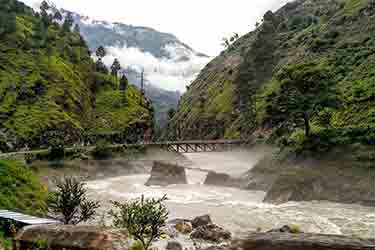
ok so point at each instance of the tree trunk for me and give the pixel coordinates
(307, 124)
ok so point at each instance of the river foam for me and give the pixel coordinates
(240, 211)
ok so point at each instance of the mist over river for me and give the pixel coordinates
(239, 211)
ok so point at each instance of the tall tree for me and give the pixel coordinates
(305, 90)
(7, 23)
(46, 17)
(57, 16)
(100, 67)
(77, 29)
(68, 23)
(123, 87)
(116, 66)
(100, 52)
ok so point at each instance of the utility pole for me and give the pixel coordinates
(142, 83)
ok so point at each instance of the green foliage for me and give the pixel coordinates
(353, 6)
(21, 190)
(70, 203)
(305, 90)
(49, 84)
(115, 67)
(137, 246)
(100, 52)
(325, 35)
(56, 151)
(143, 218)
(102, 151)
(123, 87)
(5, 244)
(40, 245)
(68, 23)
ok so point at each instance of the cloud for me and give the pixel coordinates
(173, 73)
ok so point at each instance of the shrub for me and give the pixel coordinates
(56, 151)
(70, 203)
(137, 246)
(5, 244)
(143, 218)
(102, 151)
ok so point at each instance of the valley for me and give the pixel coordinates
(127, 136)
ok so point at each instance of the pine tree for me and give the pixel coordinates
(116, 66)
(123, 87)
(77, 29)
(100, 67)
(57, 16)
(46, 18)
(68, 23)
(100, 52)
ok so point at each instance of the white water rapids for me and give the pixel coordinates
(239, 211)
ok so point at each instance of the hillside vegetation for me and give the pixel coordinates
(51, 88)
(305, 76)
(21, 190)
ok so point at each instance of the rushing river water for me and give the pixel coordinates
(239, 211)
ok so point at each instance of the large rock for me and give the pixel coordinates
(174, 245)
(219, 179)
(201, 221)
(164, 174)
(212, 233)
(286, 241)
(73, 237)
(184, 227)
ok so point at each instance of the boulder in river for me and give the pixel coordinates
(73, 237)
(174, 245)
(184, 227)
(286, 241)
(212, 233)
(164, 174)
(201, 221)
(220, 179)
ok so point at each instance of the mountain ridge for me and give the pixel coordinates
(247, 76)
(51, 89)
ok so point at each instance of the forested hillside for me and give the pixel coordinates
(306, 72)
(51, 89)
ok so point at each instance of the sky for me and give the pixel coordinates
(199, 23)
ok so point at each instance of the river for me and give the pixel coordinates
(239, 211)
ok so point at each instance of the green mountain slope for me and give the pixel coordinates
(239, 92)
(49, 87)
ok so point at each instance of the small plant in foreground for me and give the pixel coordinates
(143, 218)
(70, 202)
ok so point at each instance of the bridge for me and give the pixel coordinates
(196, 146)
(199, 146)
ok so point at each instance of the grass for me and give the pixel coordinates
(21, 190)
(353, 6)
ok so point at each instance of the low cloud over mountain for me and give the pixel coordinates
(173, 72)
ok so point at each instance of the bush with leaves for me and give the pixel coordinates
(70, 203)
(143, 218)
(56, 151)
(102, 151)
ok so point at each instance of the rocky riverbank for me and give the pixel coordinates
(343, 175)
(201, 233)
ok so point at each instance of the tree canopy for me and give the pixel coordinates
(305, 89)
